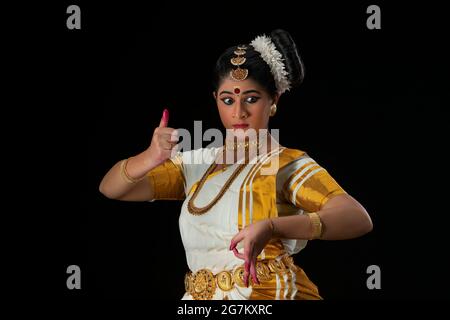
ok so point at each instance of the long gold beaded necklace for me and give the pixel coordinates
(192, 208)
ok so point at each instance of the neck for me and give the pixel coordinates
(248, 136)
(247, 147)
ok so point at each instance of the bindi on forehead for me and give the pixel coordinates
(237, 90)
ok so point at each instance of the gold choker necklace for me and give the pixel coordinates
(243, 145)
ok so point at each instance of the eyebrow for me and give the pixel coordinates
(245, 92)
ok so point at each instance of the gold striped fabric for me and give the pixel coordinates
(291, 286)
(308, 185)
(167, 180)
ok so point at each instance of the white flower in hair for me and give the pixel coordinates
(269, 53)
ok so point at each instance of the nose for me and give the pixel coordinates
(239, 111)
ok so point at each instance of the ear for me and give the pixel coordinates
(214, 95)
(276, 97)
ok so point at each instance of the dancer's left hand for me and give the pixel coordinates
(255, 237)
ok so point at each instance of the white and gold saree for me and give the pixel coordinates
(297, 185)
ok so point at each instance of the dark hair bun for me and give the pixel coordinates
(292, 61)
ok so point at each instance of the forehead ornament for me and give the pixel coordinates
(239, 74)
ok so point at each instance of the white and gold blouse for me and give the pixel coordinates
(296, 184)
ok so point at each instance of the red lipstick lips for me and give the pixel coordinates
(240, 126)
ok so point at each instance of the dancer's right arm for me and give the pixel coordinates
(113, 184)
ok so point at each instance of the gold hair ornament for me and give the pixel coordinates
(239, 74)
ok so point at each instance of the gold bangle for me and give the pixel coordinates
(124, 173)
(316, 225)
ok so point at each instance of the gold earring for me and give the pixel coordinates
(273, 110)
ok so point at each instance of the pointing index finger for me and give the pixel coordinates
(165, 119)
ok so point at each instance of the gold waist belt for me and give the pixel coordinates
(202, 284)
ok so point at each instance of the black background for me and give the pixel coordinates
(371, 111)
